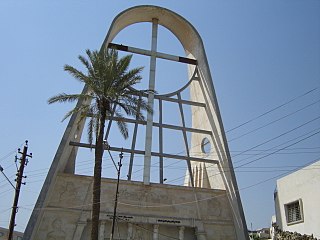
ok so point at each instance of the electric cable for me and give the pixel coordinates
(254, 146)
(269, 154)
(274, 121)
(228, 170)
(273, 109)
(247, 133)
(182, 203)
(10, 153)
(141, 165)
(279, 145)
(278, 136)
(278, 150)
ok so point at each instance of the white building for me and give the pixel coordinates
(297, 201)
(272, 229)
(263, 233)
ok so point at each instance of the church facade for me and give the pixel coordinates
(206, 207)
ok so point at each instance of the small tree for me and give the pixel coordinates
(110, 92)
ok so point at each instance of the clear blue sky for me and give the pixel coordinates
(261, 54)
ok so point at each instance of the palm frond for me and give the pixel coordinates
(76, 109)
(63, 97)
(77, 74)
(122, 125)
(129, 79)
(85, 62)
(123, 64)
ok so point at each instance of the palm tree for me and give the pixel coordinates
(110, 93)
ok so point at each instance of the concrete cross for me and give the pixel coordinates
(153, 56)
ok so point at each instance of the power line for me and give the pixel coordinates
(181, 203)
(278, 136)
(167, 166)
(1, 169)
(254, 146)
(236, 170)
(240, 170)
(2, 193)
(275, 151)
(242, 154)
(276, 148)
(108, 166)
(10, 153)
(252, 152)
(308, 92)
(177, 161)
(272, 153)
(305, 138)
(274, 121)
(247, 133)
(273, 109)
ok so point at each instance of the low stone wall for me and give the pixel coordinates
(154, 211)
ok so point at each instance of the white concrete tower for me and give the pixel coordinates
(207, 207)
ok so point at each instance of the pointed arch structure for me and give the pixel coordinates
(201, 181)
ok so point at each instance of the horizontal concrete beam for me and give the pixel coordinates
(187, 102)
(167, 126)
(148, 53)
(154, 154)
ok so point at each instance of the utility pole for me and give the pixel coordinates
(23, 162)
(116, 199)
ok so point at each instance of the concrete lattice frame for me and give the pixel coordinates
(64, 160)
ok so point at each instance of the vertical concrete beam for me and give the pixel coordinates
(160, 143)
(185, 140)
(155, 232)
(79, 230)
(130, 231)
(152, 77)
(133, 144)
(181, 233)
(102, 230)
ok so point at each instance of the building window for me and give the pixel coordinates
(205, 146)
(294, 212)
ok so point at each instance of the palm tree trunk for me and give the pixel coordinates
(97, 177)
